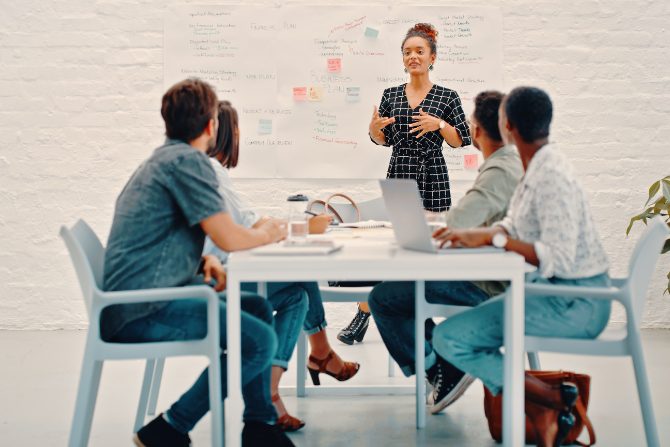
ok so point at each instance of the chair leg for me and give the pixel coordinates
(301, 365)
(391, 366)
(420, 353)
(643, 390)
(534, 361)
(87, 394)
(215, 400)
(144, 394)
(155, 386)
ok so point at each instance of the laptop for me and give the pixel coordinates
(405, 210)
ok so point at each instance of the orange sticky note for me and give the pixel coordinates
(300, 94)
(334, 65)
(470, 161)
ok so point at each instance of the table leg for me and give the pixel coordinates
(514, 418)
(234, 403)
(419, 353)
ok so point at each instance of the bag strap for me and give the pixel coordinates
(581, 411)
(344, 196)
(326, 209)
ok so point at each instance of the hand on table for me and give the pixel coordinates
(474, 237)
(276, 229)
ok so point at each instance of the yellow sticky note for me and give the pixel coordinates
(315, 93)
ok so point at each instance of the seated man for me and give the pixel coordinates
(549, 223)
(160, 221)
(392, 303)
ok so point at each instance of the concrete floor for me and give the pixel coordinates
(39, 373)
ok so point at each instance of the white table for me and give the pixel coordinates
(381, 260)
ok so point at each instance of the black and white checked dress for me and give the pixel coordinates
(422, 158)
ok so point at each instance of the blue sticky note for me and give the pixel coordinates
(371, 32)
(353, 94)
(264, 127)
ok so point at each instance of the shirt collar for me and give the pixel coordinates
(502, 152)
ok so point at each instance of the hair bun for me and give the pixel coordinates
(427, 29)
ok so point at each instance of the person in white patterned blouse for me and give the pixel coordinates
(549, 223)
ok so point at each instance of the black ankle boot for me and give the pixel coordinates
(356, 329)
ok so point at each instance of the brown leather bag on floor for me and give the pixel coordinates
(493, 408)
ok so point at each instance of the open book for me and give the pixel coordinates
(366, 224)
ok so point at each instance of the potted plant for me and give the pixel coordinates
(656, 206)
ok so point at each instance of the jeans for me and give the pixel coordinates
(472, 340)
(289, 301)
(392, 307)
(187, 320)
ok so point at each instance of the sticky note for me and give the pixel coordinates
(315, 93)
(300, 94)
(264, 127)
(371, 32)
(353, 94)
(470, 161)
(334, 65)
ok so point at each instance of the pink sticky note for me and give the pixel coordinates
(470, 161)
(300, 94)
(334, 65)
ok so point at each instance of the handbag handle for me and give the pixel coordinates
(581, 411)
(329, 209)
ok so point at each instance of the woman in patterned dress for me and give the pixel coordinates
(416, 117)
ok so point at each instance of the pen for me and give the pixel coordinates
(312, 213)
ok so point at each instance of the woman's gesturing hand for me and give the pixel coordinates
(378, 123)
(424, 123)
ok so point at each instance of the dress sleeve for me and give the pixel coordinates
(385, 111)
(456, 119)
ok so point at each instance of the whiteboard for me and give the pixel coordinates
(305, 79)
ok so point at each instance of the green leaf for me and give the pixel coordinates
(653, 190)
(666, 189)
(660, 205)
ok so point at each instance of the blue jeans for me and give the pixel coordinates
(187, 320)
(392, 307)
(471, 340)
(289, 301)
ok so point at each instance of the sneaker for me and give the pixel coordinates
(356, 329)
(158, 433)
(259, 434)
(449, 384)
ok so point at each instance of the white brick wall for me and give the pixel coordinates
(80, 88)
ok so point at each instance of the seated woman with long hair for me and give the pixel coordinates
(292, 314)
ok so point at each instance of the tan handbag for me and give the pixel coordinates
(319, 223)
(493, 408)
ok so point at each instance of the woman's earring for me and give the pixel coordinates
(430, 67)
(405, 69)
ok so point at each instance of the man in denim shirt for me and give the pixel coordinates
(160, 221)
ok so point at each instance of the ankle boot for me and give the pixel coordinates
(356, 329)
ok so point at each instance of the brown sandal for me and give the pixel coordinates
(288, 422)
(349, 369)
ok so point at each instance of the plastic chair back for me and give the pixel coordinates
(642, 263)
(88, 257)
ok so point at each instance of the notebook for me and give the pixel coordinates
(366, 224)
(293, 248)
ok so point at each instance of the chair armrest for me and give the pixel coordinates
(152, 295)
(607, 293)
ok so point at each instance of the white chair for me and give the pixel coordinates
(87, 255)
(631, 292)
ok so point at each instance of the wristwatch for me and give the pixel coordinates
(443, 124)
(499, 240)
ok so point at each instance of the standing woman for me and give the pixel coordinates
(416, 117)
